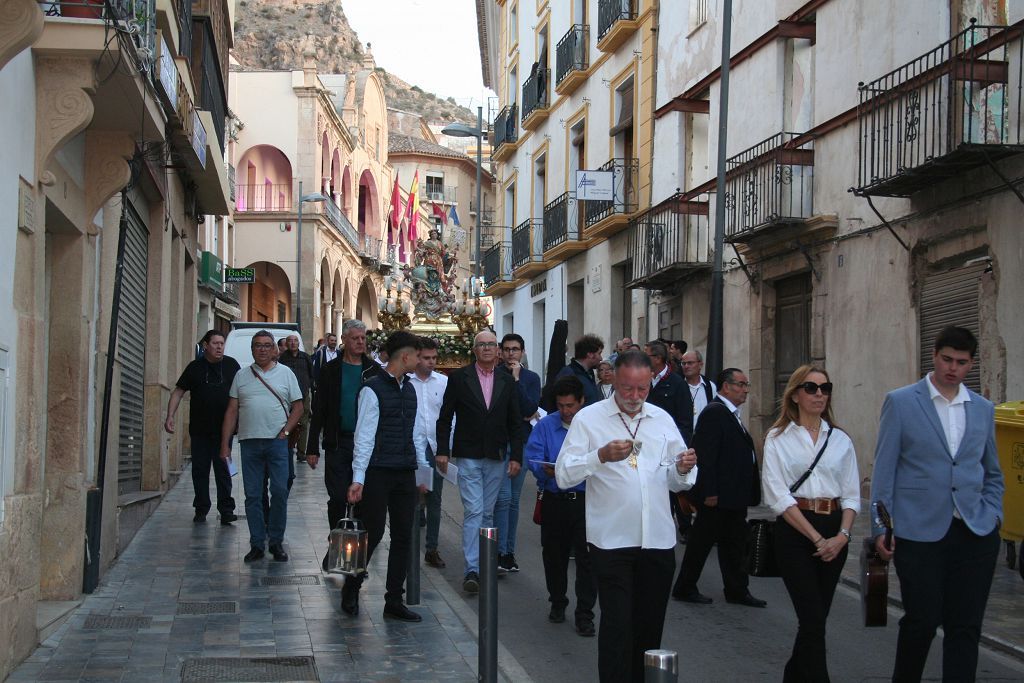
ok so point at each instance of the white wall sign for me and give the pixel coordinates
(595, 185)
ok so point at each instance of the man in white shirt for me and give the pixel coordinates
(430, 386)
(631, 455)
(937, 473)
(324, 355)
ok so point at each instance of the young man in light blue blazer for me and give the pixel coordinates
(937, 473)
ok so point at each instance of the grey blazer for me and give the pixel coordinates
(919, 480)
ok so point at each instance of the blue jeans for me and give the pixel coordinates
(259, 455)
(506, 510)
(433, 507)
(479, 481)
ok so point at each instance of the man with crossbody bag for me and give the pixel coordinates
(266, 404)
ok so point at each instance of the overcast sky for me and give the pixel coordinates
(429, 43)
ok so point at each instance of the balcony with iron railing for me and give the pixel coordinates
(952, 109)
(231, 182)
(497, 269)
(337, 218)
(504, 133)
(266, 198)
(138, 16)
(769, 188)
(528, 248)
(572, 59)
(563, 229)
(370, 249)
(604, 218)
(439, 193)
(670, 242)
(536, 97)
(616, 21)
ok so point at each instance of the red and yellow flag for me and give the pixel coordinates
(412, 212)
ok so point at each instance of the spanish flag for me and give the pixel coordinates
(412, 212)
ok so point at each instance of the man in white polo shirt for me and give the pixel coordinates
(631, 455)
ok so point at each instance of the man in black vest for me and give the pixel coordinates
(727, 483)
(388, 449)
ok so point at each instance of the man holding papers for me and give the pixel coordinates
(563, 523)
(430, 386)
(388, 449)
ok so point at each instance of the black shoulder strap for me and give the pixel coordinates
(803, 477)
(284, 406)
(707, 389)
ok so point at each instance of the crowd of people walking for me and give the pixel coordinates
(632, 454)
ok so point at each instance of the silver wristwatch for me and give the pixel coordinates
(846, 532)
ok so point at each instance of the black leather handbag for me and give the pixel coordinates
(761, 538)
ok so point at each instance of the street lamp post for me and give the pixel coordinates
(315, 197)
(461, 130)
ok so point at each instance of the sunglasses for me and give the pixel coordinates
(812, 388)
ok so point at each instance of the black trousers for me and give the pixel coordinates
(389, 495)
(943, 583)
(206, 453)
(563, 529)
(811, 584)
(729, 529)
(633, 586)
(338, 477)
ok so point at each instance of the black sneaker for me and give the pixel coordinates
(471, 584)
(512, 565)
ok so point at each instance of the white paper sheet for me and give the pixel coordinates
(232, 467)
(452, 476)
(425, 476)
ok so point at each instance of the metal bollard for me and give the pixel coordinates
(661, 666)
(412, 579)
(487, 645)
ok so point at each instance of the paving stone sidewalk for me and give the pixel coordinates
(181, 605)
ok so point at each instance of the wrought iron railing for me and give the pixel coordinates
(184, 12)
(772, 182)
(497, 264)
(440, 193)
(371, 248)
(624, 187)
(611, 11)
(231, 181)
(138, 15)
(965, 94)
(341, 223)
(212, 89)
(572, 52)
(561, 221)
(676, 232)
(264, 198)
(526, 242)
(536, 91)
(505, 128)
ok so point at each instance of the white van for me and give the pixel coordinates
(239, 342)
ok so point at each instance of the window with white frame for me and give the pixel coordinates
(435, 187)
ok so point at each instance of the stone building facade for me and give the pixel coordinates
(114, 131)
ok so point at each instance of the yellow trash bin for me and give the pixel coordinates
(1010, 446)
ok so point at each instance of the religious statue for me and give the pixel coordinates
(432, 276)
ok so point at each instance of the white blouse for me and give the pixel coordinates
(788, 454)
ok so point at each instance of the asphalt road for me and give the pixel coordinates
(718, 642)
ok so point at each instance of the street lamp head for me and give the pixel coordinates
(315, 197)
(461, 130)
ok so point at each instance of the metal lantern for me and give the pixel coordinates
(349, 547)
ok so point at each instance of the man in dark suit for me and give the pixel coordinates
(485, 406)
(668, 390)
(937, 473)
(727, 483)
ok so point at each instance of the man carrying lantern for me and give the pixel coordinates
(388, 447)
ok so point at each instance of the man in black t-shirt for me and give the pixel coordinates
(208, 379)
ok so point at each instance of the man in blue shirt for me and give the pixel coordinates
(563, 526)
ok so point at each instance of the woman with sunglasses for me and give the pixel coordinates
(815, 512)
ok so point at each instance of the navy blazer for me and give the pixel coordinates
(919, 480)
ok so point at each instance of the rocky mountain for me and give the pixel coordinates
(271, 34)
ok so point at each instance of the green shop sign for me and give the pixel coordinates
(241, 275)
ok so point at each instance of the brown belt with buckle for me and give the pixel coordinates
(821, 506)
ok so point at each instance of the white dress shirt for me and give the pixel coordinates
(657, 378)
(365, 436)
(429, 394)
(735, 410)
(625, 507)
(330, 354)
(788, 454)
(700, 399)
(952, 414)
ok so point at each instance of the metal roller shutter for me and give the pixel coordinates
(950, 297)
(131, 352)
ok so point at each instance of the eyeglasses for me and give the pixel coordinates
(741, 385)
(265, 347)
(511, 349)
(812, 388)
(486, 345)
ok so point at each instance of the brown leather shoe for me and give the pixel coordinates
(433, 559)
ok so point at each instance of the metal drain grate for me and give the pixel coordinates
(98, 621)
(207, 607)
(256, 669)
(290, 580)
